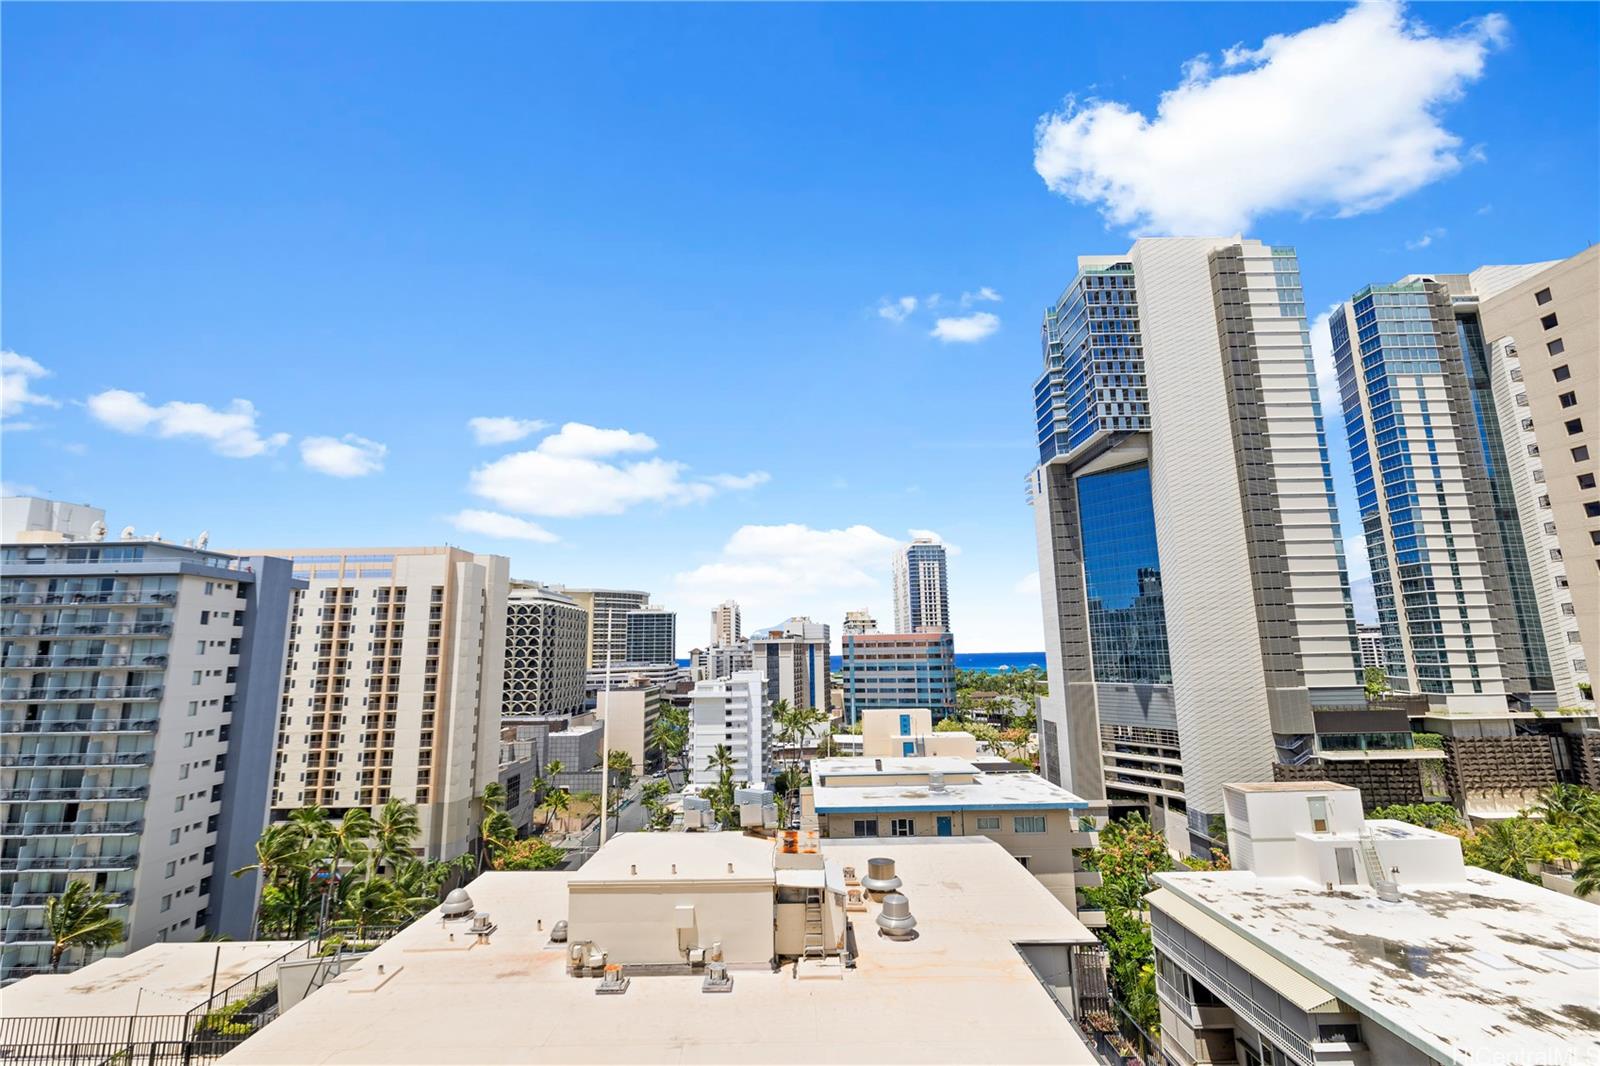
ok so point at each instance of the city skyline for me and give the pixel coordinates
(475, 237)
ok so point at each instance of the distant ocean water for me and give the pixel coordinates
(992, 662)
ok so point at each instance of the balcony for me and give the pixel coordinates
(85, 758)
(88, 629)
(69, 862)
(68, 662)
(76, 695)
(75, 829)
(72, 599)
(73, 795)
(39, 899)
(75, 725)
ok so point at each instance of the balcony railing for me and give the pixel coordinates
(82, 725)
(68, 662)
(88, 629)
(69, 862)
(85, 758)
(69, 599)
(39, 899)
(73, 795)
(87, 694)
(77, 829)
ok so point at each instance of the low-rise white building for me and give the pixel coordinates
(1339, 939)
(908, 731)
(734, 712)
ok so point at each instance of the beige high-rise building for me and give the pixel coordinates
(393, 685)
(726, 629)
(608, 620)
(1543, 335)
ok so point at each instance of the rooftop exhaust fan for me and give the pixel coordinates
(558, 932)
(718, 979)
(880, 876)
(456, 906)
(895, 921)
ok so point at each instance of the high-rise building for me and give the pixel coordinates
(1543, 333)
(1198, 629)
(652, 635)
(795, 659)
(856, 622)
(546, 649)
(719, 660)
(735, 712)
(139, 692)
(1372, 648)
(898, 670)
(394, 684)
(30, 518)
(725, 625)
(921, 588)
(608, 620)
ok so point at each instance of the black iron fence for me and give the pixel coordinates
(141, 1040)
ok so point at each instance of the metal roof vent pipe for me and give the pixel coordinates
(896, 922)
(456, 906)
(935, 780)
(1388, 891)
(877, 764)
(880, 877)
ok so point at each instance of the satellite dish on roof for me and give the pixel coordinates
(127, 532)
(97, 531)
(203, 539)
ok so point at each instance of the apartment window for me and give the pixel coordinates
(188, 740)
(905, 725)
(199, 647)
(1594, 536)
(172, 868)
(205, 617)
(177, 804)
(866, 827)
(1574, 425)
(194, 678)
(1557, 346)
(1580, 454)
(1569, 399)
(1586, 481)
(1319, 813)
(988, 823)
(1348, 1032)
(902, 827)
(1562, 372)
(1548, 322)
(1592, 509)
(166, 903)
(1027, 823)
(1543, 296)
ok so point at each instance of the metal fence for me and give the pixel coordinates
(141, 1040)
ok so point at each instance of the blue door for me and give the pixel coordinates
(908, 749)
(944, 825)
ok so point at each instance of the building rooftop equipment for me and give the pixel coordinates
(963, 785)
(423, 998)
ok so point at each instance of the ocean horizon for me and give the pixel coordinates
(990, 662)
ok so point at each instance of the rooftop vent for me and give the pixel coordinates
(880, 876)
(877, 764)
(895, 921)
(936, 781)
(456, 905)
(717, 978)
(558, 932)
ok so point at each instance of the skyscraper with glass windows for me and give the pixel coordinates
(921, 588)
(1198, 625)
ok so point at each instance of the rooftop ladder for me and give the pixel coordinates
(816, 943)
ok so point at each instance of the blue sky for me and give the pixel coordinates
(263, 264)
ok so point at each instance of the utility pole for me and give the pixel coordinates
(605, 733)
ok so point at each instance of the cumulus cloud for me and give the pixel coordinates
(1343, 117)
(573, 473)
(504, 526)
(1028, 586)
(1322, 359)
(898, 310)
(966, 329)
(928, 534)
(503, 429)
(230, 432)
(1425, 239)
(985, 295)
(346, 456)
(17, 375)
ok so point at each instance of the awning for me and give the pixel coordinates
(1288, 983)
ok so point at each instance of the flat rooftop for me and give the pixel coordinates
(1290, 786)
(644, 858)
(1489, 969)
(1007, 791)
(511, 1001)
(159, 979)
(898, 764)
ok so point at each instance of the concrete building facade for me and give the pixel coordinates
(1189, 632)
(394, 685)
(726, 625)
(735, 712)
(795, 658)
(719, 660)
(608, 620)
(629, 715)
(896, 670)
(857, 622)
(546, 650)
(921, 588)
(652, 635)
(139, 697)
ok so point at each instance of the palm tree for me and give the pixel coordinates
(620, 762)
(1586, 878)
(395, 831)
(497, 830)
(349, 838)
(1507, 847)
(314, 828)
(1566, 805)
(670, 735)
(80, 918)
(557, 802)
(278, 849)
(369, 901)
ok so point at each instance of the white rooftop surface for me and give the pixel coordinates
(959, 993)
(724, 857)
(1020, 791)
(913, 764)
(1512, 973)
(159, 979)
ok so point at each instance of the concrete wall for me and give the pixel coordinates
(637, 924)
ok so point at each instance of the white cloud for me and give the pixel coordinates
(17, 375)
(567, 476)
(1427, 238)
(504, 526)
(502, 429)
(984, 294)
(1345, 116)
(897, 310)
(1327, 372)
(967, 329)
(230, 432)
(928, 534)
(347, 456)
(1028, 586)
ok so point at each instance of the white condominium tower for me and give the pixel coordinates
(794, 659)
(859, 623)
(546, 651)
(921, 588)
(652, 636)
(608, 620)
(726, 629)
(1198, 624)
(732, 711)
(139, 695)
(393, 686)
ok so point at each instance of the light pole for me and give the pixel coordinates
(605, 734)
